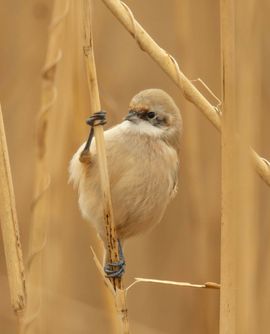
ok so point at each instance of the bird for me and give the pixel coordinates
(143, 163)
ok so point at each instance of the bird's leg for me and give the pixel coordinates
(116, 269)
(98, 118)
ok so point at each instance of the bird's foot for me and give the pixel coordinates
(116, 269)
(98, 118)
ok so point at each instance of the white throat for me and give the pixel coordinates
(141, 128)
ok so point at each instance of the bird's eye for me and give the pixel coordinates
(151, 114)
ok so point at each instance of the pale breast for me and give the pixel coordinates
(143, 173)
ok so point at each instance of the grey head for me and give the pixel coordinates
(158, 109)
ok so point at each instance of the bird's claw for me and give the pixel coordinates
(115, 269)
(98, 118)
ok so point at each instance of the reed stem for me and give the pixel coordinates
(112, 244)
(10, 230)
(169, 65)
(230, 150)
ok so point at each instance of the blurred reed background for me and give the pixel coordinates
(186, 245)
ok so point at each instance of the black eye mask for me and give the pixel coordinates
(146, 115)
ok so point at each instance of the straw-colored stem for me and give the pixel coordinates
(10, 229)
(262, 166)
(111, 244)
(207, 285)
(229, 172)
(170, 66)
(248, 102)
(41, 205)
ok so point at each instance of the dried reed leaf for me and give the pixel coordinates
(10, 229)
(40, 206)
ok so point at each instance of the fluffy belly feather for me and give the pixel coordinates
(140, 193)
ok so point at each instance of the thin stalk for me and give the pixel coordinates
(112, 244)
(207, 285)
(230, 172)
(169, 65)
(10, 230)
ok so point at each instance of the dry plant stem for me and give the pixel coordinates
(230, 172)
(163, 58)
(10, 229)
(249, 73)
(170, 66)
(207, 285)
(101, 271)
(262, 166)
(40, 205)
(112, 244)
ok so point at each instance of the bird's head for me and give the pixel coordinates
(155, 113)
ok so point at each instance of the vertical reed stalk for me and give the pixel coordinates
(229, 171)
(10, 230)
(40, 207)
(112, 244)
(248, 102)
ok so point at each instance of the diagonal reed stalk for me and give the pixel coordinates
(40, 206)
(112, 244)
(169, 65)
(10, 230)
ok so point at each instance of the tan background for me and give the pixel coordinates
(186, 245)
